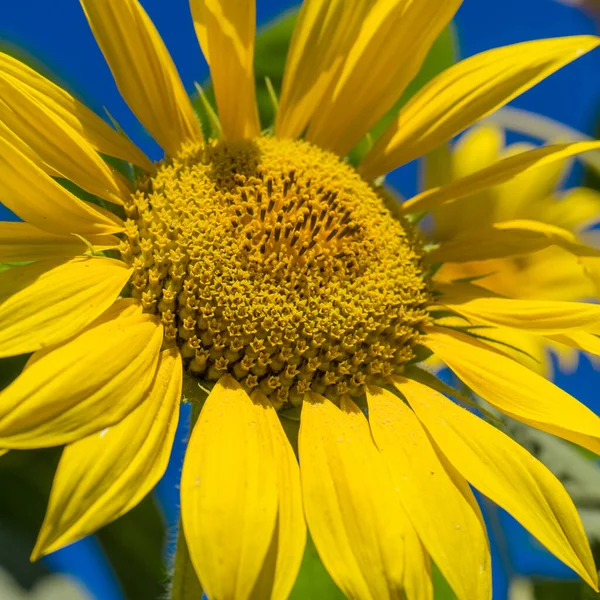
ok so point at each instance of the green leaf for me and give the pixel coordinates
(4, 266)
(10, 367)
(26, 478)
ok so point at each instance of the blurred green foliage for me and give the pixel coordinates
(133, 544)
(564, 590)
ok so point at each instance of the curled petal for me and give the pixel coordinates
(91, 382)
(51, 300)
(106, 474)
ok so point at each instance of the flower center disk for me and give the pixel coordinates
(273, 261)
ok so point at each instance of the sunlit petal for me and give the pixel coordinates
(51, 300)
(507, 239)
(514, 389)
(323, 34)
(23, 184)
(21, 242)
(226, 30)
(284, 557)
(143, 71)
(418, 583)
(56, 100)
(465, 93)
(495, 174)
(540, 316)
(446, 524)
(58, 144)
(372, 78)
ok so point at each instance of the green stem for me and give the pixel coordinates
(184, 583)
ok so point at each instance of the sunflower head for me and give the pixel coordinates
(274, 261)
(265, 263)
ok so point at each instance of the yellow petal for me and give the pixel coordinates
(438, 167)
(21, 242)
(226, 30)
(497, 173)
(58, 144)
(7, 134)
(467, 92)
(506, 239)
(104, 475)
(51, 300)
(514, 389)
(91, 382)
(507, 474)
(540, 316)
(446, 524)
(323, 34)
(143, 71)
(426, 377)
(528, 349)
(229, 491)
(284, 557)
(372, 77)
(56, 100)
(460, 482)
(36, 198)
(351, 511)
(121, 309)
(591, 268)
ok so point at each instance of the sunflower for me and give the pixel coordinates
(552, 273)
(265, 270)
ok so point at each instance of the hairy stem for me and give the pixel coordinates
(184, 582)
